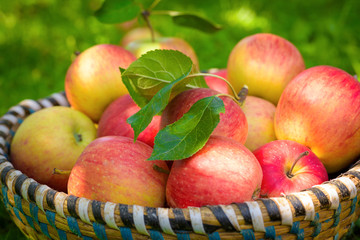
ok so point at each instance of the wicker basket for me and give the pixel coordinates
(326, 211)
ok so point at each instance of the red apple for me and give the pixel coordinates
(232, 123)
(115, 169)
(216, 83)
(113, 121)
(93, 80)
(288, 167)
(320, 108)
(51, 138)
(223, 172)
(264, 62)
(260, 117)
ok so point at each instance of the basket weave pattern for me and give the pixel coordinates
(325, 211)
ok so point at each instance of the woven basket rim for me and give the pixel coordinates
(328, 196)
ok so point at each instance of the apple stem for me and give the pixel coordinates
(61, 172)
(214, 75)
(160, 169)
(146, 15)
(77, 53)
(303, 154)
(78, 137)
(243, 94)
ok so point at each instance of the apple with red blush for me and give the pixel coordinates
(114, 169)
(233, 123)
(288, 167)
(223, 172)
(113, 121)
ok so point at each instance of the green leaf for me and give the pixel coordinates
(190, 133)
(154, 70)
(140, 120)
(194, 21)
(115, 11)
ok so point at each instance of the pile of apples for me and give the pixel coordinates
(294, 127)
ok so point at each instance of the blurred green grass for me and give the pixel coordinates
(38, 39)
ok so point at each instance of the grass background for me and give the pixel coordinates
(38, 39)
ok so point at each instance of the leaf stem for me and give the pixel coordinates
(153, 5)
(230, 96)
(214, 75)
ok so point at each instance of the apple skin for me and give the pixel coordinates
(141, 46)
(93, 79)
(113, 121)
(264, 61)
(260, 115)
(276, 159)
(320, 108)
(115, 169)
(137, 34)
(233, 123)
(217, 83)
(223, 172)
(51, 138)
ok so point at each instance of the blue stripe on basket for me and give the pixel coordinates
(18, 204)
(270, 232)
(50, 216)
(295, 228)
(126, 233)
(61, 234)
(214, 236)
(73, 226)
(353, 206)
(12, 132)
(337, 216)
(44, 229)
(5, 196)
(183, 236)
(156, 235)
(30, 221)
(248, 234)
(316, 224)
(99, 230)
(34, 212)
(17, 214)
(7, 145)
(336, 237)
(20, 120)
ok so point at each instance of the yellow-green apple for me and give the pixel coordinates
(223, 172)
(51, 138)
(320, 108)
(115, 169)
(113, 121)
(233, 123)
(288, 167)
(93, 79)
(217, 83)
(260, 117)
(264, 62)
(141, 46)
(137, 34)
